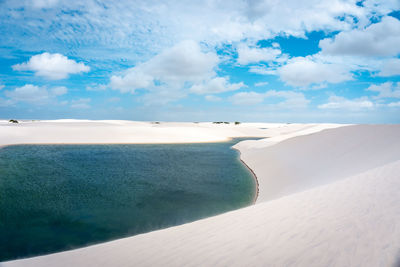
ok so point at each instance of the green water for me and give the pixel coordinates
(59, 197)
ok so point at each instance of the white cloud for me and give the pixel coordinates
(97, 87)
(276, 45)
(263, 70)
(44, 3)
(59, 90)
(385, 90)
(338, 102)
(215, 86)
(304, 71)
(184, 62)
(132, 80)
(81, 103)
(260, 84)
(162, 96)
(318, 86)
(114, 99)
(247, 98)
(394, 104)
(390, 67)
(291, 99)
(158, 24)
(379, 39)
(119, 109)
(52, 66)
(281, 99)
(33, 94)
(381, 7)
(5, 102)
(247, 55)
(212, 98)
(29, 93)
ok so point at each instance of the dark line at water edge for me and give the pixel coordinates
(257, 189)
(257, 186)
(59, 197)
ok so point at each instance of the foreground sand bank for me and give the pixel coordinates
(328, 197)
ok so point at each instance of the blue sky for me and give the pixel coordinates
(248, 60)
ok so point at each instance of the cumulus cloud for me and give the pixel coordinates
(114, 99)
(291, 99)
(183, 62)
(162, 96)
(385, 90)
(131, 80)
(44, 3)
(247, 98)
(215, 86)
(96, 87)
(379, 39)
(81, 103)
(390, 67)
(212, 98)
(394, 104)
(169, 22)
(29, 93)
(304, 71)
(338, 102)
(260, 84)
(283, 99)
(33, 94)
(180, 64)
(263, 70)
(59, 90)
(52, 66)
(5, 102)
(248, 55)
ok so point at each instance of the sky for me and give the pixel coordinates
(211, 60)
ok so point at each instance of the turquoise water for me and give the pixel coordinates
(59, 197)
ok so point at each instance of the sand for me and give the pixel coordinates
(106, 131)
(329, 196)
(316, 159)
(80, 131)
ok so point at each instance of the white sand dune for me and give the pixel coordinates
(83, 131)
(327, 198)
(316, 159)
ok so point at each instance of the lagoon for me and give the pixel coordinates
(59, 197)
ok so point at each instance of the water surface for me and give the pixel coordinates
(59, 197)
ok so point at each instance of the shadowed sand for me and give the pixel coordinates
(328, 196)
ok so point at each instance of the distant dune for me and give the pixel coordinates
(329, 196)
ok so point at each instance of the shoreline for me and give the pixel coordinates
(257, 189)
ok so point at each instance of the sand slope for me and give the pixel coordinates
(315, 159)
(335, 203)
